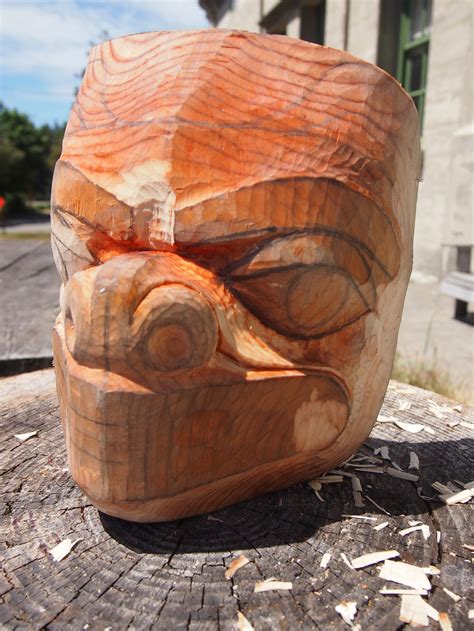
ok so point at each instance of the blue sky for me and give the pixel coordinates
(44, 44)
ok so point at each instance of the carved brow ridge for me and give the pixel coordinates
(275, 234)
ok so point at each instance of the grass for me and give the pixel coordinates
(429, 375)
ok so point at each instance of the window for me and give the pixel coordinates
(412, 63)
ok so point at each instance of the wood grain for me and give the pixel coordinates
(232, 218)
(172, 575)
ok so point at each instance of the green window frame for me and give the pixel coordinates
(412, 63)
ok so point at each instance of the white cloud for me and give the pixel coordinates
(48, 40)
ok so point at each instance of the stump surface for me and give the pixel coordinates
(171, 575)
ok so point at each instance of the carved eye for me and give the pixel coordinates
(306, 299)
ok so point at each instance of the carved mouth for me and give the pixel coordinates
(132, 447)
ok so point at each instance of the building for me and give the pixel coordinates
(427, 46)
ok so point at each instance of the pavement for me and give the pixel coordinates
(29, 290)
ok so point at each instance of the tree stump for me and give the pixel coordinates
(171, 575)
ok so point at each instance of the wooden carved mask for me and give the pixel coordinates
(232, 218)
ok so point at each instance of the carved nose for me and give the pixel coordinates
(172, 328)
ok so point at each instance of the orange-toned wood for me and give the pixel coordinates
(232, 220)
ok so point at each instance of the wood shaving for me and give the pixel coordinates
(316, 486)
(431, 569)
(356, 485)
(468, 547)
(381, 508)
(414, 461)
(470, 614)
(386, 419)
(398, 592)
(438, 536)
(436, 412)
(404, 405)
(441, 488)
(424, 529)
(429, 430)
(415, 522)
(364, 517)
(27, 435)
(272, 584)
(346, 474)
(413, 428)
(402, 475)
(235, 565)
(61, 551)
(346, 561)
(358, 503)
(347, 610)
(371, 469)
(325, 560)
(381, 526)
(451, 594)
(457, 408)
(405, 574)
(243, 623)
(383, 451)
(453, 423)
(328, 479)
(445, 622)
(460, 497)
(372, 558)
(414, 610)
(212, 518)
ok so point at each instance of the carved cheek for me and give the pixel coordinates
(317, 423)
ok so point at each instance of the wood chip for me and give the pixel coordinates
(461, 497)
(404, 405)
(405, 574)
(398, 592)
(27, 435)
(356, 485)
(316, 486)
(414, 610)
(423, 528)
(372, 558)
(457, 408)
(346, 474)
(441, 488)
(235, 565)
(386, 419)
(272, 584)
(346, 561)
(381, 508)
(328, 479)
(381, 526)
(383, 451)
(468, 547)
(445, 622)
(325, 560)
(414, 461)
(413, 428)
(470, 614)
(429, 430)
(61, 551)
(436, 412)
(402, 475)
(452, 595)
(347, 610)
(364, 517)
(242, 622)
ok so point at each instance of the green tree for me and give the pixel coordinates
(27, 154)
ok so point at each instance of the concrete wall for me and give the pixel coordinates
(446, 198)
(445, 201)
